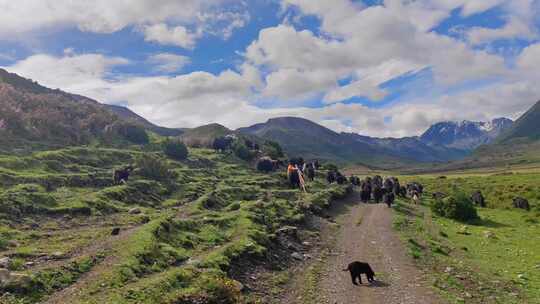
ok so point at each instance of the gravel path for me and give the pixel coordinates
(366, 235)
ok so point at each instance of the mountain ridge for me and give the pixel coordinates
(80, 118)
(465, 134)
(413, 148)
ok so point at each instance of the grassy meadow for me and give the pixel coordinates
(495, 259)
(180, 235)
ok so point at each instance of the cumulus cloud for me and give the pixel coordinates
(359, 38)
(521, 16)
(76, 73)
(513, 29)
(167, 62)
(177, 35)
(164, 21)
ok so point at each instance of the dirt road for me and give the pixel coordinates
(366, 234)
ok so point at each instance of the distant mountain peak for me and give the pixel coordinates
(465, 134)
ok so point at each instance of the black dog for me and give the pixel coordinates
(357, 268)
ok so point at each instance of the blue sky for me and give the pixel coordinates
(382, 68)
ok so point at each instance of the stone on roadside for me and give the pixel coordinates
(4, 262)
(4, 276)
(297, 256)
(57, 255)
(489, 234)
(134, 210)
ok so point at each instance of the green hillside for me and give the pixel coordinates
(204, 136)
(526, 127)
(182, 231)
(36, 117)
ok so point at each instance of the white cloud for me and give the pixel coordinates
(362, 38)
(77, 73)
(167, 62)
(514, 28)
(163, 34)
(224, 23)
(521, 17)
(368, 81)
(105, 16)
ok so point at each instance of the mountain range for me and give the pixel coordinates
(442, 142)
(31, 114)
(465, 135)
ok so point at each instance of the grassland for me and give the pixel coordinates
(179, 238)
(492, 260)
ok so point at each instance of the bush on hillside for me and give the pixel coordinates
(133, 133)
(153, 167)
(457, 206)
(242, 152)
(330, 167)
(273, 150)
(175, 150)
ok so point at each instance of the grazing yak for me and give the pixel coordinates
(266, 164)
(377, 193)
(377, 181)
(340, 178)
(478, 199)
(354, 180)
(331, 177)
(396, 186)
(388, 185)
(388, 198)
(416, 187)
(365, 193)
(224, 143)
(310, 172)
(403, 191)
(357, 269)
(121, 176)
(521, 203)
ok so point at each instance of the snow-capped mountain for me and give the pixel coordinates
(465, 135)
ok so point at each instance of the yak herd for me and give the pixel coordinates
(372, 189)
(379, 190)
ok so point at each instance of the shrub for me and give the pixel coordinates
(457, 206)
(175, 150)
(153, 167)
(330, 167)
(133, 133)
(4, 242)
(242, 152)
(273, 150)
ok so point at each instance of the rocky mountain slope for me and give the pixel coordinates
(303, 137)
(32, 115)
(465, 135)
(128, 115)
